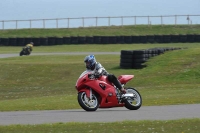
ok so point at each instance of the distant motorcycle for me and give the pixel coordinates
(97, 92)
(25, 51)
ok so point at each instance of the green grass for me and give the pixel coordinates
(171, 126)
(95, 47)
(104, 31)
(48, 82)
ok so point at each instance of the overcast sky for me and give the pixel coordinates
(38, 9)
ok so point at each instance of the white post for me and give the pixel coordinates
(57, 23)
(16, 24)
(3, 25)
(188, 19)
(68, 22)
(96, 21)
(109, 21)
(175, 20)
(122, 20)
(135, 20)
(30, 24)
(83, 21)
(43, 23)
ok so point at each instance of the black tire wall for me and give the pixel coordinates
(19, 41)
(135, 59)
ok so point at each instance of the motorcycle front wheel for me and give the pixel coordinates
(86, 103)
(21, 53)
(135, 102)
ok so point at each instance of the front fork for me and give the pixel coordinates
(90, 93)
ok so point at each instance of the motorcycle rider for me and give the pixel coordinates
(95, 67)
(29, 46)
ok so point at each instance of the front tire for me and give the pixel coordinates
(86, 103)
(135, 102)
(21, 53)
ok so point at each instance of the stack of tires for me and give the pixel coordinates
(126, 59)
(135, 59)
(139, 57)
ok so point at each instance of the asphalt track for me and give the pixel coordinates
(169, 112)
(64, 53)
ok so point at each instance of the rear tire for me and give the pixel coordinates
(135, 102)
(86, 103)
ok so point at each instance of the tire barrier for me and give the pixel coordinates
(89, 40)
(59, 40)
(104, 40)
(143, 39)
(158, 38)
(190, 38)
(120, 39)
(182, 38)
(4, 41)
(97, 39)
(43, 41)
(112, 39)
(12, 42)
(51, 40)
(20, 41)
(197, 38)
(166, 38)
(81, 40)
(135, 59)
(128, 39)
(27, 40)
(126, 59)
(66, 40)
(101, 40)
(135, 39)
(150, 38)
(37, 41)
(175, 38)
(74, 40)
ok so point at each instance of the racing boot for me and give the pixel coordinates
(123, 91)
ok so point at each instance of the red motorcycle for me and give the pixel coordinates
(97, 92)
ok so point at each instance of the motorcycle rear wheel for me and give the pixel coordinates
(135, 102)
(86, 103)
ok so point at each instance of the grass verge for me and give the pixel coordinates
(170, 126)
(105, 31)
(95, 47)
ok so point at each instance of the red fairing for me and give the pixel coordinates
(125, 78)
(102, 88)
(80, 82)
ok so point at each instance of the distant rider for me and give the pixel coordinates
(95, 67)
(29, 47)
